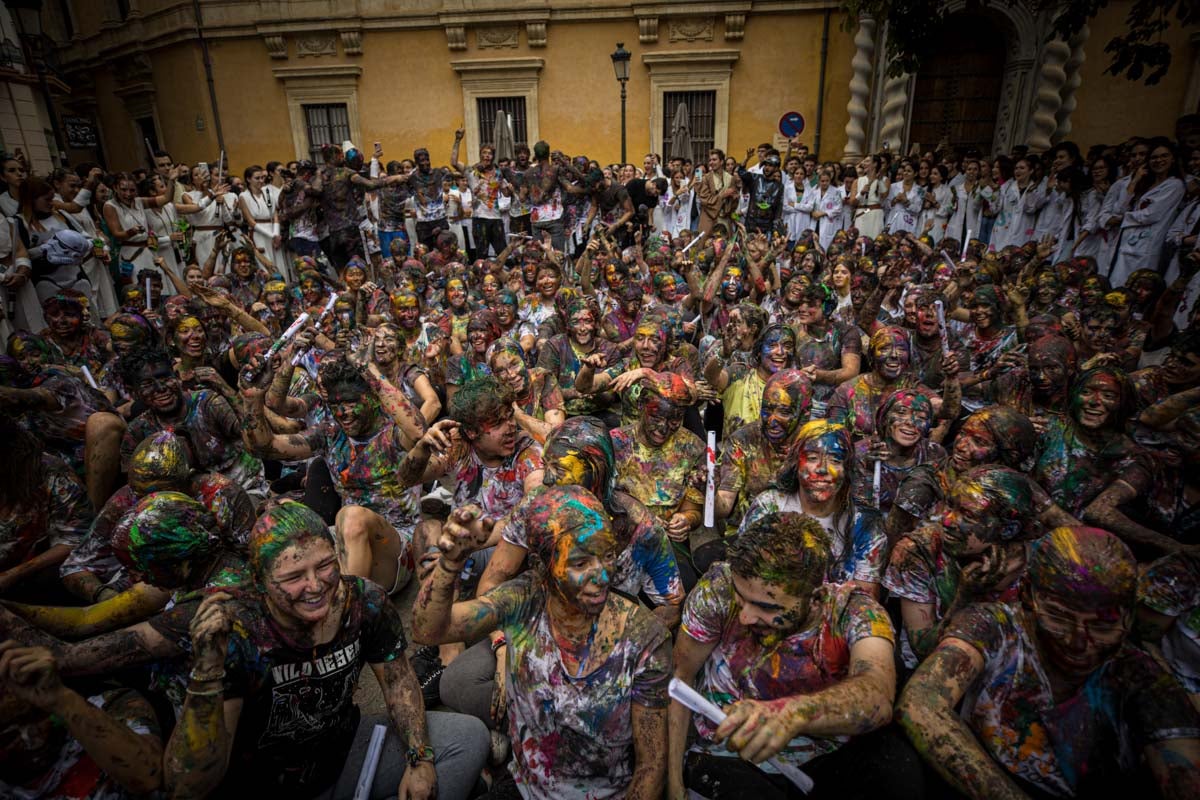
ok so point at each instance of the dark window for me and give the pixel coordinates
(328, 123)
(702, 115)
(64, 10)
(514, 107)
(122, 10)
(145, 126)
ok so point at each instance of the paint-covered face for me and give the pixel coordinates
(158, 387)
(613, 276)
(778, 350)
(970, 524)
(387, 346)
(984, 315)
(1047, 290)
(355, 412)
(822, 467)
(29, 357)
(125, 337)
(1100, 333)
(548, 282)
(1077, 641)
(780, 414)
(582, 327)
(498, 438)
(1092, 291)
(190, 337)
(840, 277)
(649, 344)
(906, 425)
(810, 310)
(766, 610)
(793, 293)
(480, 337)
(1181, 368)
(407, 311)
(490, 286)
(927, 322)
(302, 583)
(973, 446)
(276, 303)
(566, 466)
(512, 372)
(355, 278)
(583, 568)
(1096, 402)
(456, 293)
(242, 265)
(1048, 373)
(506, 313)
(891, 356)
(731, 286)
(310, 290)
(63, 322)
(660, 420)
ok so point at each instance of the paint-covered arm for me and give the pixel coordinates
(74, 622)
(857, 705)
(437, 619)
(926, 713)
(256, 432)
(649, 739)
(690, 656)
(1105, 512)
(921, 626)
(52, 557)
(429, 457)
(1175, 765)
(402, 693)
(406, 415)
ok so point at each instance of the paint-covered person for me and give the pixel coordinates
(587, 670)
(562, 354)
(296, 639)
(1057, 701)
(904, 438)
(537, 401)
(741, 387)
(817, 483)
(804, 669)
(370, 427)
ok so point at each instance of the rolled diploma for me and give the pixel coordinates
(710, 489)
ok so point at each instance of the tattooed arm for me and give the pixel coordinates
(649, 738)
(106, 653)
(402, 692)
(858, 704)
(690, 656)
(926, 712)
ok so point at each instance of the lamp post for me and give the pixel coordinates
(28, 15)
(620, 59)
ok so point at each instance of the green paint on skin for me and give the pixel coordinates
(277, 529)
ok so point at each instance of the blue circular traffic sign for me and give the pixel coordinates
(791, 124)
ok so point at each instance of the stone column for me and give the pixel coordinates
(893, 112)
(1071, 86)
(860, 91)
(1048, 99)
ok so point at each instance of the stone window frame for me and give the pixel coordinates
(691, 71)
(497, 77)
(334, 83)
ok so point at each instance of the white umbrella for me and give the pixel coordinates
(681, 134)
(502, 138)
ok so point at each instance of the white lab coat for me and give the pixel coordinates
(831, 204)
(1187, 223)
(797, 211)
(1092, 225)
(903, 217)
(939, 213)
(1014, 224)
(968, 211)
(1144, 229)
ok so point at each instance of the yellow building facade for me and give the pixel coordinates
(287, 74)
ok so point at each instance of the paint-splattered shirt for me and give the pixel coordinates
(63, 430)
(825, 352)
(742, 398)
(58, 513)
(1077, 747)
(854, 402)
(747, 467)
(856, 539)
(742, 667)
(1075, 474)
(1171, 586)
(299, 718)
(560, 358)
(573, 736)
(209, 426)
(660, 478)
(497, 490)
(646, 562)
(862, 479)
(544, 394)
(364, 472)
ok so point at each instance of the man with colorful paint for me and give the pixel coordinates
(803, 669)
(1057, 702)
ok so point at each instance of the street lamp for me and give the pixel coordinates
(28, 16)
(620, 59)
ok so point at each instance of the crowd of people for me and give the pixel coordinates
(890, 461)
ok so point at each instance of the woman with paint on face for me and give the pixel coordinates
(537, 401)
(984, 344)
(482, 329)
(829, 349)
(904, 438)
(297, 638)
(741, 387)
(587, 670)
(818, 484)
(1049, 684)
(804, 669)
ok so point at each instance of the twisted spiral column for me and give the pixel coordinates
(1071, 86)
(860, 91)
(1051, 78)
(895, 104)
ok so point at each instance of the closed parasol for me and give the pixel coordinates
(681, 134)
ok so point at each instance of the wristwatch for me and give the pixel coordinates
(419, 754)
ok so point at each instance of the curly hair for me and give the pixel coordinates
(336, 370)
(131, 365)
(479, 401)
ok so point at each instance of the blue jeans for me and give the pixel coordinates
(385, 242)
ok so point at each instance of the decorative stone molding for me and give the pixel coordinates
(1011, 90)
(352, 42)
(456, 37)
(690, 29)
(894, 112)
(316, 44)
(276, 46)
(496, 37)
(1048, 98)
(497, 77)
(329, 83)
(735, 27)
(647, 30)
(860, 91)
(1071, 86)
(535, 33)
(686, 71)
